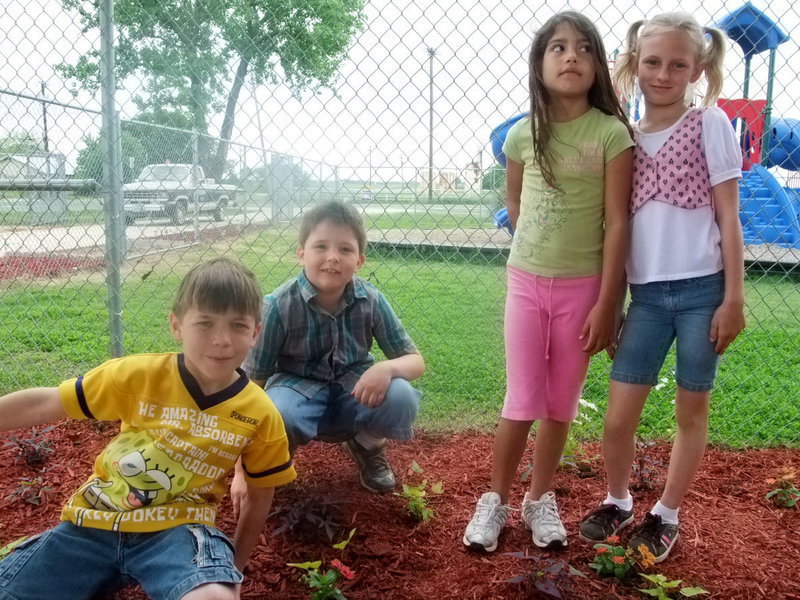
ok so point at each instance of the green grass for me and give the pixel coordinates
(426, 221)
(78, 210)
(392, 193)
(67, 218)
(453, 309)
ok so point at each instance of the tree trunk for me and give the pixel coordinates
(218, 167)
(197, 107)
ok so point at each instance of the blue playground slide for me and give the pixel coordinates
(769, 212)
(498, 136)
(784, 144)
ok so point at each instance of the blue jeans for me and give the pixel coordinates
(77, 563)
(334, 414)
(665, 311)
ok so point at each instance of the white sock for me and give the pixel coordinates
(623, 503)
(668, 515)
(368, 441)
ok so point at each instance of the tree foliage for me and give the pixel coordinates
(192, 58)
(89, 164)
(494, 178)
(142, 144)
(19, 143)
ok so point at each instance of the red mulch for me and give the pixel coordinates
(38, 266)
(734, 543)
(17, 267)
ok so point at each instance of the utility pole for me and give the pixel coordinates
(431, 54)
(44, 115)
(46, 140)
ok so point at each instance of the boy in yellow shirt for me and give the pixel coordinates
(147, 512)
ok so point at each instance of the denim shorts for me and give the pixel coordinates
(665, 311)
(71, 563)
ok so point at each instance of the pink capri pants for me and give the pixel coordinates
(545, 366)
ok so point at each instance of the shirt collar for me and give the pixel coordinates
(203, 401)
(355, 289)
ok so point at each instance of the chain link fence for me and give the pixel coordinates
(137, 138)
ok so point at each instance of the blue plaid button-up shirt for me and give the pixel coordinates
(304, 347)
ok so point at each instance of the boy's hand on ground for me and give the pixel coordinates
(371, 388)
(238, 491)
(727, 323)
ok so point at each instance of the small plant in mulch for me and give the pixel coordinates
(309, 516)
(34, 449)
(646, 468)
(612, 560)
(322, 582)
(8, 548)
(102, 426)
(33, 491)
(550, 577)
(416, 496)
(574, 458)
(580, 463)
(784, 494)
(664, 589)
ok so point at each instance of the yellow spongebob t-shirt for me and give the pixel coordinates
(168, 465)
(560, 229)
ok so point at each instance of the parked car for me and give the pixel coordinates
(175, 191)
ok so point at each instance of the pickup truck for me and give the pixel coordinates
(175, 191)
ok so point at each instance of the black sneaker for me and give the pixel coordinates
(374, 469)
(657, 536)
(603, 522)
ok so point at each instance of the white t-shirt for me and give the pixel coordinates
(669, 242)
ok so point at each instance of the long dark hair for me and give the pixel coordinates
(601, 95)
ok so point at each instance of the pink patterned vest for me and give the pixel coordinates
(678, 174)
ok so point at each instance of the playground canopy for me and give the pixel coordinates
(753, 30)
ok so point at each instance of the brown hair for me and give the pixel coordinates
(337, 213)
(219, 285)
(601, 95)
(710, 53)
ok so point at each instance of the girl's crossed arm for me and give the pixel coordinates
(601, 327)
(513, 190)
(728, 321)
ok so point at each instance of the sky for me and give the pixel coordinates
(377, 116)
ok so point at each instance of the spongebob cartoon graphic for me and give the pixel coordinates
(139, 474)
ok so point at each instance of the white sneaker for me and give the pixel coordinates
(488, 521)
(541, 517)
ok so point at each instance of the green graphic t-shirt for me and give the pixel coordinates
(560, 230)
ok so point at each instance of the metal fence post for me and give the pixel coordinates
(112, 178)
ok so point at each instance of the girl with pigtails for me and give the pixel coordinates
(685, 267)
